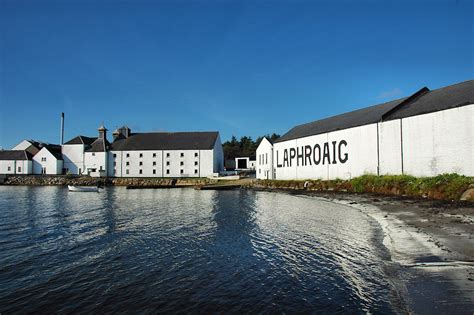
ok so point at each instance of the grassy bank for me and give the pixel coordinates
(442, 187)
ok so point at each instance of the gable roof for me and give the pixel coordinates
(166, 141)
(452, 96)
(55, 150)
(422, 102)
(15, 155)
(81, 140)
(99, 145)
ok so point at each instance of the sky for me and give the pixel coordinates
(243, 68)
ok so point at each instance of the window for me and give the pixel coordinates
(195, 171)
(19, 168)
(93, 154)
(128, 155)
(196, 154)
(127, 172)
(43, 170)
(115, 163)
(259, 170)
(168, 154)
(182, 154)
(196, 163)
(167, 163)
(154, 171)
(167, 171)
(141, 163)
(266, 158)
(154, 163)
(181, 163)
(43, 159)
(140, 171)
(9, 168)
(259, 159)
(154, 154)
(115, 155)
(128, 163)
(181, 171)
(141, 155)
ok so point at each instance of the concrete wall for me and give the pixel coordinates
(16, 167)
(264, 162)
(73, 157)
(424, 145)
(44, 159)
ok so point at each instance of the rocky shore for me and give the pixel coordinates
(46, 180)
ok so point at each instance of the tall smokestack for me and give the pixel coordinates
(62, 128)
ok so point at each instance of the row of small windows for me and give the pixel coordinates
(19, 168)
(154, 155)
(127, 171)
(154, 163)
(263, 158)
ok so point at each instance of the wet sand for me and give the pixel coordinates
(431, 244)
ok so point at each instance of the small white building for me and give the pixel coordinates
(48, 160)
(245, 163)
(15, 162)
(264, 160)
(30, 146)
(73, 154)
(165, 154)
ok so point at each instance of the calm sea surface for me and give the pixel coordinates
(181, 250)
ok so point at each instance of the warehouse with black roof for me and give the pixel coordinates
(424, 134)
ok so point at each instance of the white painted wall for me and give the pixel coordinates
(95, 161)
(440, 142)
(16, 167)
(218, 156)
(53, 166)
(359, 144)
(433, 144)
(390, 147)
(73, 157)
(264, 162)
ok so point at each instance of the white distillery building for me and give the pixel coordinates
(73, 154)
(165, 154)
(48, 160)
(16, 162)
(426, 134)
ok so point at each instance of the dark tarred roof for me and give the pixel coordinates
(15, 155)
(167, 141)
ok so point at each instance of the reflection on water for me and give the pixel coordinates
(181, 249)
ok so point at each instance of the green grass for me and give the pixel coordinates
(444, 186)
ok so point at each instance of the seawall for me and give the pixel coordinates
(50, 180)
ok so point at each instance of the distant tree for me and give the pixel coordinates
(245, 147)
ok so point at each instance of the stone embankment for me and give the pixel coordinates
(45, 180)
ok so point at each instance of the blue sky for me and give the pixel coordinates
(239, 67)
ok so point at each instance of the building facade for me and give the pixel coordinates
(165, 154)
(264, 160)
(48, 160)
(425, 134)
(16, 162)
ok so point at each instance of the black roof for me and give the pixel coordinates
(99, 145)
(81, 140)
(55, 150)
(167, 141)
(15, 155)
(452, 96)
(422, 102)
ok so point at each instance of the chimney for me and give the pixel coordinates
(62, 128)
(102, 132)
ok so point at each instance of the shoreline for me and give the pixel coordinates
(431, 248)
